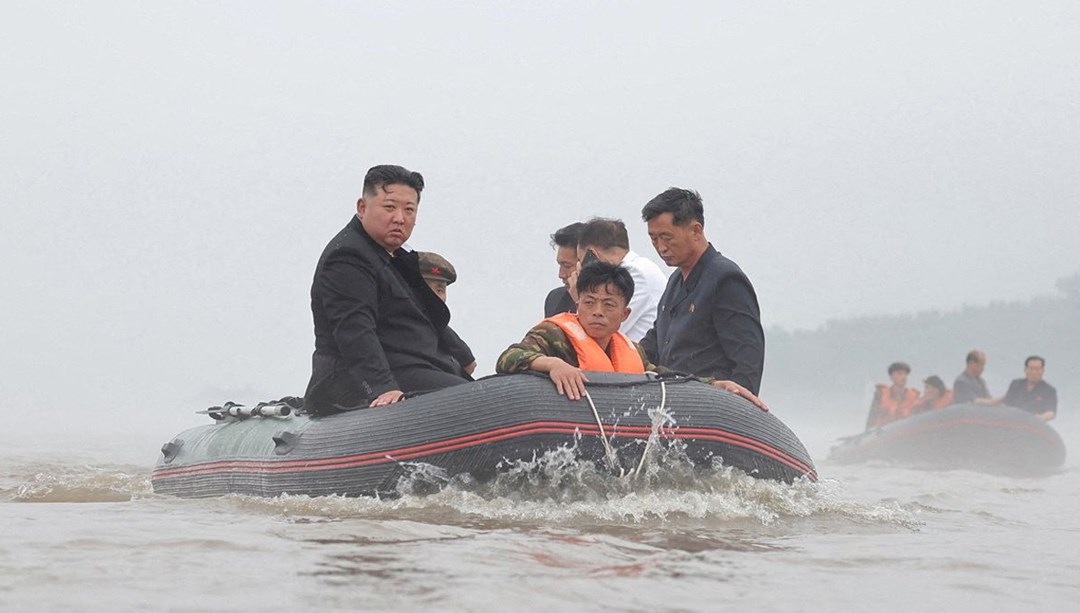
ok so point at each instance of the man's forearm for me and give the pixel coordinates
(516, 359)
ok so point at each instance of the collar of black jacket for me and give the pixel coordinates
(692, 279)
(406, 266)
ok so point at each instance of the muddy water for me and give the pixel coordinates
(82, 530)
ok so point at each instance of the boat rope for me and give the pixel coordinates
(609, 453)
(653, 434)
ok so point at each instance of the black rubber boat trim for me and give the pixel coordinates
(479, 438)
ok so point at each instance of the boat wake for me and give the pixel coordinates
(559, 488)
(78, 483)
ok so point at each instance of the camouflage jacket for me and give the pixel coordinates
(548, 339)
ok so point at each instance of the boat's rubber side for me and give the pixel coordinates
(475, 428)
(993, 439)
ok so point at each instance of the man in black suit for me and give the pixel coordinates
(565, 243)
(708, 323)
(379, 328)
(1033, 393)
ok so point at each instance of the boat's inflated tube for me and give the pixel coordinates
(474, 428)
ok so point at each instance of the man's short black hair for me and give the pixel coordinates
(600, 273)
(1034, 357)
(389, 174)
(936, 382)
(604, 234)
(973, 356)
(567, 236)
(895, 366)
(683, 204)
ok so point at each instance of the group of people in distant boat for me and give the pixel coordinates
(896, 400)
(382, 322)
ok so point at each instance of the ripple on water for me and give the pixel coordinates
(75, 484)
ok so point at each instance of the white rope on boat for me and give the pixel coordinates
(608, 451)
(652, 434)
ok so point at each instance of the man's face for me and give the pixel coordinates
(931, 393)
(438, 286)
(566, 258)
(601, 311)
(674, 244)
(899, 377)
(978, 366)
(389, 215)
(1034, 371)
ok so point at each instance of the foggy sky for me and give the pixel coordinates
(171, 171)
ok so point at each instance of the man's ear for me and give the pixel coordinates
(361, 206)
(626, 314)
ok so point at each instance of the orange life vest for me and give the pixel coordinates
(925, 404)
(944, 401)
(621, 355)
(890, 409)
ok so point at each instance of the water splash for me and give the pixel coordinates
(559, 488)
(83, 483)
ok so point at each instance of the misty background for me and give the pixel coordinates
(171, 172)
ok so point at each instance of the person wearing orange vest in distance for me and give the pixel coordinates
(935, 395)
(892, 402)
(565, 345)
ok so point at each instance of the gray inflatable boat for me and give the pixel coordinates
(478, 428)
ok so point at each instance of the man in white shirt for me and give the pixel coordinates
(607, 240)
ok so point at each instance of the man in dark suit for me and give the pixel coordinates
(708, 323)
(1033, 393)
(969, 386)
(378, 326)
(565, 242)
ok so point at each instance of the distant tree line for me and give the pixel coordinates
(844, 358)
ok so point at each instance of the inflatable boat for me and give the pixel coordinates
(478, 428)
(991, 439)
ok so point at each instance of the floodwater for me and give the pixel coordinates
(82, 530)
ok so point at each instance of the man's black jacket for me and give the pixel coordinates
(1039, 400)
(558, 301)
(374, 315)
(710, 324)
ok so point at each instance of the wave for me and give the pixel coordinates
(555, 488)
(558, 488)
(79, 483)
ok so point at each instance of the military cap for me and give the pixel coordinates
(435, 266)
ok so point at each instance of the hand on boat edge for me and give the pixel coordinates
(387, 398)
(739, 390)
(569, 380)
